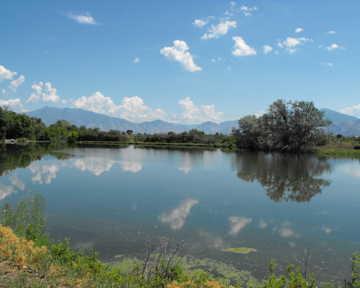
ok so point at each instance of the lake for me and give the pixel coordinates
(118, 199)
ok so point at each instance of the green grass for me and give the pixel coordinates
(339, 148)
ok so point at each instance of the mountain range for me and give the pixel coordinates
(343, 124)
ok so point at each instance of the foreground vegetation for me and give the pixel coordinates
(27, 259)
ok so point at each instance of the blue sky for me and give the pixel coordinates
(179, 61)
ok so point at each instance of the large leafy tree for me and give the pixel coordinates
(4, 122)
(19, 125)
(289, 126)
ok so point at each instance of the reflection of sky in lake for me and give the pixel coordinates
(176, 217)
(120, 199)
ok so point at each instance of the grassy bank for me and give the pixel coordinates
(28, 260)
(333, 149)
(339, 149)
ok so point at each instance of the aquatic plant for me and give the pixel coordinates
(242, 250)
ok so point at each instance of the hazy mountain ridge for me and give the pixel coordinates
(343, 124)
(337, 117)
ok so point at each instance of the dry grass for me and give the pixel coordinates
(17, 251)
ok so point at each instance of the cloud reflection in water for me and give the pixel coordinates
(98, 165)
(48, 171)
(237, 223)
(6, 191)
(17, 182)
(327, 230)
(176, 217)
(285, 230)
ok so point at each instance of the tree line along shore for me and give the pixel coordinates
(286, 127)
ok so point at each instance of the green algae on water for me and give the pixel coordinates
(242, 250)
(222, 270)
(126, 264)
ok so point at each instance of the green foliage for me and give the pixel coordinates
(14, 126)
(54, 134)
(289, 279)
(287, 126)
(193, 136)
(4, 122)
(355, 272)
(72, 137)
(197, 132)
(27, 219)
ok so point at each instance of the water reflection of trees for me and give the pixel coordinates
(285, 177)
(21, 156)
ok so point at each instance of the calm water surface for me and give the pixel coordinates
(119, 199)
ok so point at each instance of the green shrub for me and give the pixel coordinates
(72, 137)
(27, 219)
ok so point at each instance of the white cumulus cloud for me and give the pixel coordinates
(134, 109)
(202, 22)
(137, 59)
(241, 48)
(219, 30)
(85, 18)
(290, 43)
(16, 83)
(6, 74)
(247, 11)
(46, 93)
(97, 103)
(131, 108)
(267, 49)
(334, 47)
(194, 114)
(50, 94)
(37, 87)
(12, 103)
(299, 30)
(353, 111)
(327, 64)
(179, 53)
